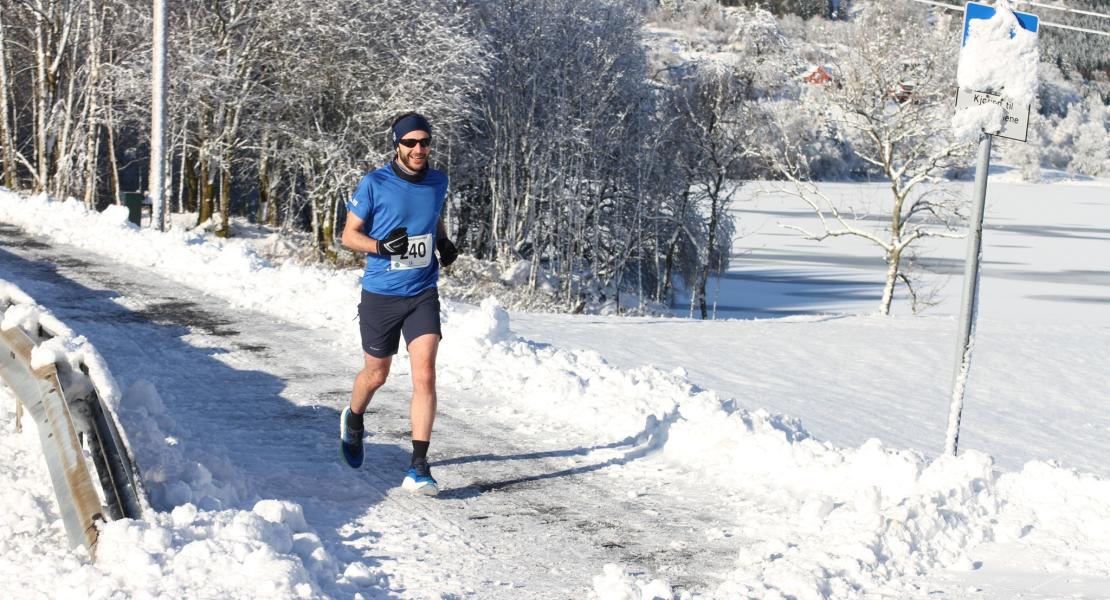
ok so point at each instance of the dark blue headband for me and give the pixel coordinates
(408, 124)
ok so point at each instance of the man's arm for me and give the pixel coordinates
(447, 250)
(354, 239)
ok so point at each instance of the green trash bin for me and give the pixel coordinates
(134, 203)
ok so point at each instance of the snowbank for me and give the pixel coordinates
(228, 268)
(862, 519)
(175, 550)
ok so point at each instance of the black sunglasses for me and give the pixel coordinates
(412, 142)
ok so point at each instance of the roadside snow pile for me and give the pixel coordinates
(192, 540)
(60, 346)
(998, 57)
(267, 551)
(229, 553)
(856, 520)
(174, 475)
(229, 268)
(615, 583)
(852, 539)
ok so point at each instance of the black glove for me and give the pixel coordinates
(397, 242)
(447, 251)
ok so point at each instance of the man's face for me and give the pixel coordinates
(414, 158)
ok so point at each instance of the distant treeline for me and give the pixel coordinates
(570, 143)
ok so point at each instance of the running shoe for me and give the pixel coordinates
(350, 441)
(419, 480)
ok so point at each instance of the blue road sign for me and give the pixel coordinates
(978, 10)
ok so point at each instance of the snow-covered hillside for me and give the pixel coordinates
(619, 457)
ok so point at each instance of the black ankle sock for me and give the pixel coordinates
(354, 421)
(419, 451)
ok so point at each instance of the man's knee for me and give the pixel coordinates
(422, 359)
(424, 376)
(374, 379)
(374, 372)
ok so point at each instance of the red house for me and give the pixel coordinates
(817, 76)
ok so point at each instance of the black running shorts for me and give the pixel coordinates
(382, 319)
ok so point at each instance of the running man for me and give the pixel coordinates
(394, 217)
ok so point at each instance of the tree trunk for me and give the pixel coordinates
(668, 268)
(113, 159)
(703, 282)
(181, 167)
(892, 263)
(207, 190)
(189, 166)
(63, 153)
(267, 205)
(316, 222)
(225, 201)
(92, 109)
(672, 247)
(6, 136)
(329, 223)
(710, 245)
(42, 104)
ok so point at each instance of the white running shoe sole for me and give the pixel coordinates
(426, 489)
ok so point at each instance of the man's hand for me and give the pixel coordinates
(447, 251)
(397, 242)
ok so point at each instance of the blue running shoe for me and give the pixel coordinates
(350, 441)
(419, 480)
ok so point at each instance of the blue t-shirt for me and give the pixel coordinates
(384, 202)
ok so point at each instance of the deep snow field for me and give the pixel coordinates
(790, 449)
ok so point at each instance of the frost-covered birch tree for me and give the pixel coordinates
(341, 73)
(711, 102)
(7, 137)
(890, 103)
(558, 126)
(711, 105)
(50, 66)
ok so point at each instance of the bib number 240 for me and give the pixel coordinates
(418, 255)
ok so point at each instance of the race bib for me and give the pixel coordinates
(418, 256)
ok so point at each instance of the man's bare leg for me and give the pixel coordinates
(422, 357)
(351, 427)
(369, 379)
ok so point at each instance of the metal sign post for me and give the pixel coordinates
(969, 307)
(1015, 128)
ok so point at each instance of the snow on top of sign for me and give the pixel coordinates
(999, 56)
(967, 123)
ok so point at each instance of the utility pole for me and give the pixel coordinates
(158, 117)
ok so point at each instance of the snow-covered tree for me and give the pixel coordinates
(7, 136)
(890, 103)
(341, 73)
(713, 145)
(1078, 54)
(1091, 155)
(547, 177)
(803, 8)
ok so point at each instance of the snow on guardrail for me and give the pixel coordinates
(56, 375)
